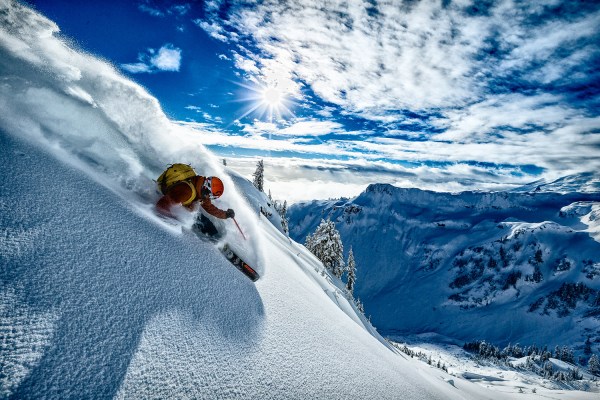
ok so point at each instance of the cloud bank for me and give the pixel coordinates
(480, 94)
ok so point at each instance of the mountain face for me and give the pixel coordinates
(519, 266)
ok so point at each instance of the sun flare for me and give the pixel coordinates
(272, 97)
(270, 102)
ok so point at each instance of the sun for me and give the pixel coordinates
(267, 101)
(272, 97)
(271, 102)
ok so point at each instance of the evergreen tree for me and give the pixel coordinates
(284, 218)
(567, 355)
(594, 365)
(351, 267)
(503, 256)
(587, 350)
(547, 370)
(259, 175)
(360, 306)
(282, 211)
(546, 355)
(309, 243)
(538, 256)
(327, 246)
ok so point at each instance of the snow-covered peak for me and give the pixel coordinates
(383, 188)
(500, 266)
(587, 182)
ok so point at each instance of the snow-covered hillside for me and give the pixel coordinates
(504, 267)
(99, 301)
(100, 298)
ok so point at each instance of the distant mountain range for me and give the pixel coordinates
(581, 183)
(514, 266)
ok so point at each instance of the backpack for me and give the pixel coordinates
(176, 173)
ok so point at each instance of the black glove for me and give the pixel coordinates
(230, 213)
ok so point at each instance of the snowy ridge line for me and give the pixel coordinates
(588, 182)
(314, 269)
(504, 267)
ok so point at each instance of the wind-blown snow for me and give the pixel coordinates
(583, 183)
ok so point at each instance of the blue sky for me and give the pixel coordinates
(442, 95)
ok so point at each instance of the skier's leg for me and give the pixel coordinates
(206, 228)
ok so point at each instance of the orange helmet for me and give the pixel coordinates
(215, 186)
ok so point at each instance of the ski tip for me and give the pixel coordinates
(251, 273)
(239, 263)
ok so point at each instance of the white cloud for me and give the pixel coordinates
(301, 179)
(245, 64)
(137, 68)
(213, 29)
(311, 128)
(366, 63)
(560, 151)
(167, 58)
(180, 9)
(148, 9)
(375, 58)
(258, 128)
(383, 60)
(434, 164)
(501, 113)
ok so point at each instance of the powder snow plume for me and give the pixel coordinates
(79, 105)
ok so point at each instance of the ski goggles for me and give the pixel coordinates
(214, 189)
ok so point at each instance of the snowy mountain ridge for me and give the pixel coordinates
(588, 182)
(503, 266)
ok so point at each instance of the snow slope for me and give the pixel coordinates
(504, 267)
(119, 305)
(102, 299)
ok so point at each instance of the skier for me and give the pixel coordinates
(192, 189)
(180, 185)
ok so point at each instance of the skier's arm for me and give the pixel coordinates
(164, 204)
(212, 209)
(177, 194)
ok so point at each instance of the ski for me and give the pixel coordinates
(239, 263)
